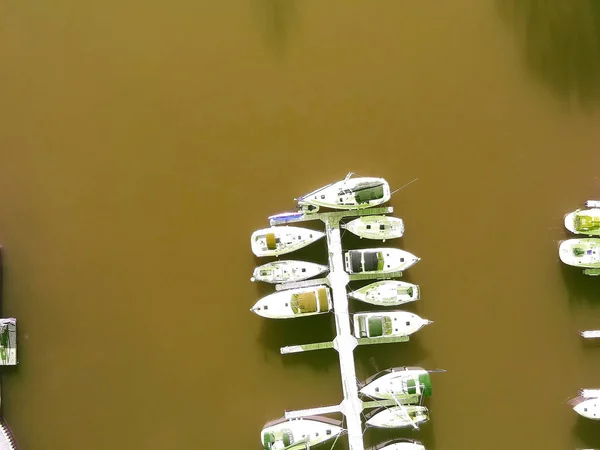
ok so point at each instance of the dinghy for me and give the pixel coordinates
(387, 293)
(379, 260)
(292, 303)
(287, 271)
(387, 324)
(398, 417)
(376, 227)
(585, 221)
(299, 434)
(584, 253)
(275, 241)
(349, 193)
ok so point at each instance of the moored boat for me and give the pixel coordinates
(585, 221)
(403, 384)
(287, 271)
(399, 444)
(279, 240)
(587, 403)
(349, 193)
(299, 434)
(387, 293)
(379, 260)
(376, 227)
(583, 253)
(398, 417)
(387, 324)
(292, 303)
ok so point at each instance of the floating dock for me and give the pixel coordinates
(345, 342)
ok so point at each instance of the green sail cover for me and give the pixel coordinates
(425, 382)
(365, 195)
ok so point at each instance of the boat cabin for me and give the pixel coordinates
(310, 302)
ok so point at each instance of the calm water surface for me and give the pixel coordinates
(142, 142)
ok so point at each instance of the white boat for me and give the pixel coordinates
(587, 403)
(585, 221)
(275, 241)
(379, 260)
(403, 384)
(291, 303)
(590, 334)
(376, 227)
(299, 434)
(398, 417)
(349, 193)
(399, 444)
(287, 271)
(584, 253)
(387, 293)
(387, 324)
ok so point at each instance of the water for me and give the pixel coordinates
(142, 143)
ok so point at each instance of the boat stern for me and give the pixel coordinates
(570, 222)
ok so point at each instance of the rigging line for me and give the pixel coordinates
(410, 182)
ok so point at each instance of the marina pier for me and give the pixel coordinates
(345, 342)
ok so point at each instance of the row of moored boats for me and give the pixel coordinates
(584, 253)
(406, 386)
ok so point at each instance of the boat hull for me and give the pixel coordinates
(287, 271)
(585, 222)
(584, 253)
(280, 434)
(387, 324)
(379, 260)
(376, 227)
(280, 240)
(350, 193)
(399, 444)
(399, 417)
(387, 293)
(294, 303)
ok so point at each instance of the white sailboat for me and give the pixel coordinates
(387, 293)
(402, 384)
(287, 271)
(379, 260)
(296, 434)
(376, 227)
(292, 303)
(275, 241)
(398, 417)
(587, 403)
(349, 193)
(387, 324)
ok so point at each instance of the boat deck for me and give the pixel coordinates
(345, 342)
